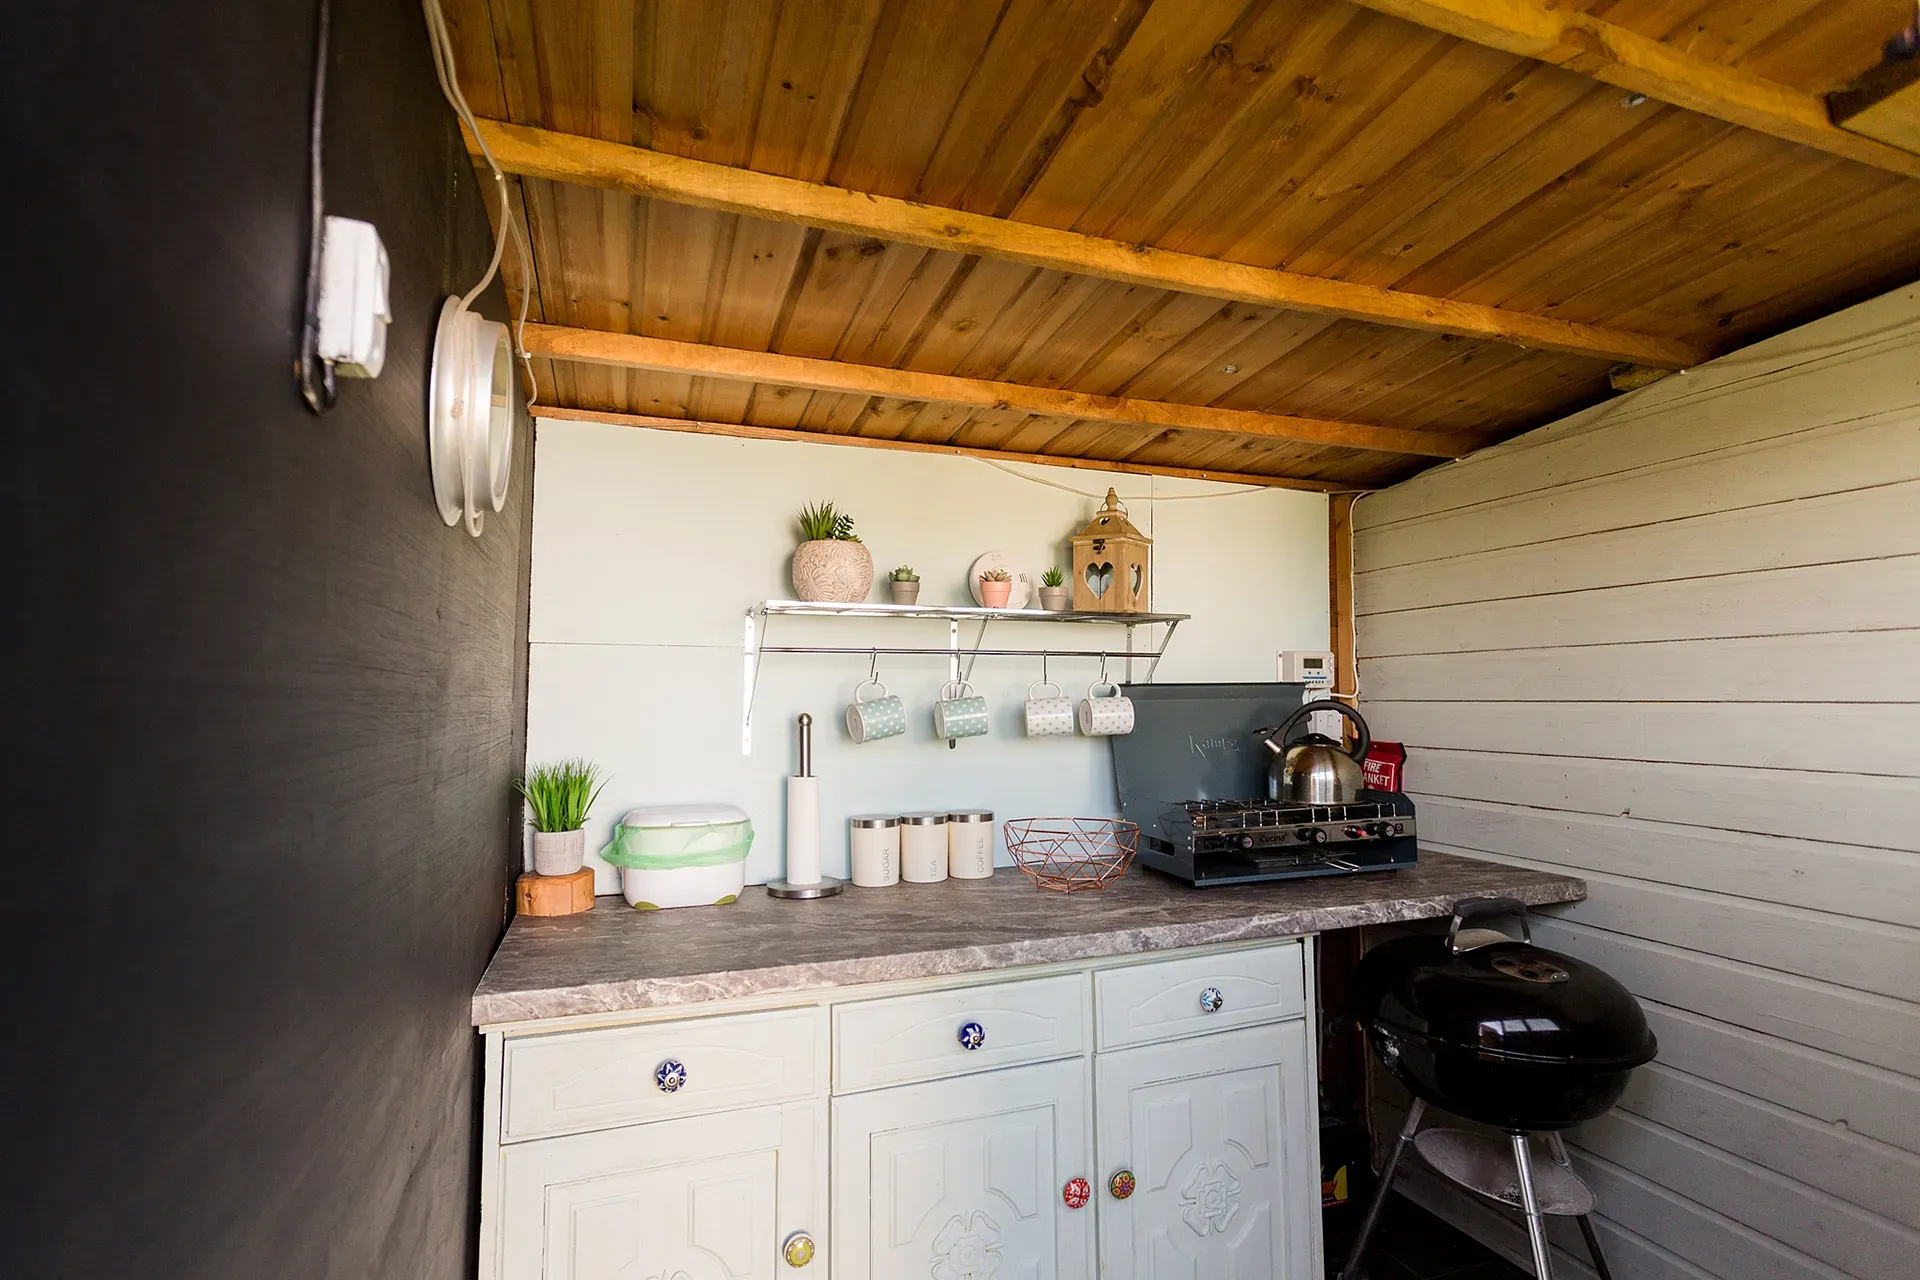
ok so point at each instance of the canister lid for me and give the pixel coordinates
(874, 820)
(925, 818)
(970, 815)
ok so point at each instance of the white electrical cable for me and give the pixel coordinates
(1067, 488)
(442, 45)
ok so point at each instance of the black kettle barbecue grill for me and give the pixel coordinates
(1507, 1034)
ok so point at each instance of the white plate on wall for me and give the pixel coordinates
(1022, 585)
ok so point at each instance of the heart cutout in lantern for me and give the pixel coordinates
(1137, 573)
(1099, 578)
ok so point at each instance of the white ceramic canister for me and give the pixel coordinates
(923, 847)
(875, 849)
(970, 844)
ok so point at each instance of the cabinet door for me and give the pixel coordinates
(707, 1198)
(963, 1179)
(1215, 1131)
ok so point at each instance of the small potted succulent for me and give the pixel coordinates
(558, 797)
(996, 585)
(1053, 590)
(831, 563)
(904, 585)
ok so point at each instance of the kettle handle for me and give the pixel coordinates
(1467, 908)
(1359, 752)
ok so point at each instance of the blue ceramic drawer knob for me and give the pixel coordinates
(670, 1075)
(972, 1035)
(1211, 999)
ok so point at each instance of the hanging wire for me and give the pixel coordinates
(442, 45)
(317, 386)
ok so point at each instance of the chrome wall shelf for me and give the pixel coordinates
(755, 646)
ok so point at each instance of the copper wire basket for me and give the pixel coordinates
(1071, 854)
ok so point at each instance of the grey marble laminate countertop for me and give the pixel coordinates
(613, 959)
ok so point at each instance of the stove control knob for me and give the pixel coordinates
(1246, 842)
(1314, 835)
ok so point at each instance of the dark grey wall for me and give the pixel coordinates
(261, 706)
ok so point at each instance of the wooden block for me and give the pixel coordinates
(553, 895)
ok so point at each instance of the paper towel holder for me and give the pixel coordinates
(827, 885)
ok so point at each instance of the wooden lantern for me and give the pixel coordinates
(1112, 563)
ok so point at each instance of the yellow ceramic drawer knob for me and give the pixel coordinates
(799, 1249)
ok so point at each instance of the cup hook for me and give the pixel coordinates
(1103, 668)
(1043, 666)
(873, 668)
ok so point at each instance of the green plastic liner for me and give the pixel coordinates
(671, 848)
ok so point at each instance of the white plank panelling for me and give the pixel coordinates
(1866, 666)
(1882, 813)
(1819, 737)
(1670, 644)
(1852, 1024)
(1850, 1095)
(1783, 384)
(1871, 595)
(1863, 955)
(1826, 1230)
(1862, 524)
(1872, 884)
(1854, 453)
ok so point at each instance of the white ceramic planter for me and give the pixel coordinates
(559, 853)
(1053, 599)
(832, 570)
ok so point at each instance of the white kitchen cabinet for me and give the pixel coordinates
(920, 1130)
(1216, 1135)
(705, 1198)
(962, 1179)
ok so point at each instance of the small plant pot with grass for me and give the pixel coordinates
(1053, 591)
(903, 584)
(996, 588)
(831, 564)
(558, 797)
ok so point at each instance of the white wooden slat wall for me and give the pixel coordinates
(1672, 645)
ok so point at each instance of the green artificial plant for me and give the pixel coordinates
(559, 795)
(820, 522)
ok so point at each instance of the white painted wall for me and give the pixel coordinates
(1672, 645)
(648, 547)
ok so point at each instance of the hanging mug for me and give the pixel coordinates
(1105, 715)
(960, 713)
(1048, 717)
(881, 716)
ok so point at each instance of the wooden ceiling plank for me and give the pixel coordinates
(1642, 64)
(635, 351)
(672, 178)
(657, 423)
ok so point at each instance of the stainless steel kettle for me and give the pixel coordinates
(1316, 769)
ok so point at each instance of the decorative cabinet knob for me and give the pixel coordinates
(1076, 1193)
(1211, 999)
(670, 1075)
(972, 1035)
(1121, 1184)
(798, 1250)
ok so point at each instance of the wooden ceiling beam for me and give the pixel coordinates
(632, 351)
(742, 431)
(570, 158)
(1594, 47)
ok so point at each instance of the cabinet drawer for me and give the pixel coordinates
(599, 1079)
(1165, 999)
(909, 1038)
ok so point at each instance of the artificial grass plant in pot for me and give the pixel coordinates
(1053, 590)
(558, 796)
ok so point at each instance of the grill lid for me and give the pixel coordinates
(1506, 1000)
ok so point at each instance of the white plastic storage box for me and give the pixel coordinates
(686, 855)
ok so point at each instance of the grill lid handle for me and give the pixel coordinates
(1469, 908)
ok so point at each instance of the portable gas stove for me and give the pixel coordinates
(1194, 755)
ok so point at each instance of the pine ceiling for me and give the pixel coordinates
(1519, 227)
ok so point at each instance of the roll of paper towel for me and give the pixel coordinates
(803, 831)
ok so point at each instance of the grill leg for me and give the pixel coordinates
(1559, 1150)
(1536, 1225)
(1372, 1220)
